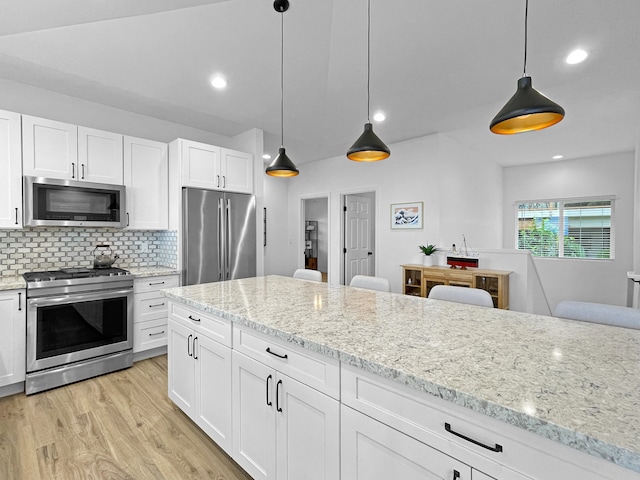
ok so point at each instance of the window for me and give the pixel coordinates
(580, 228)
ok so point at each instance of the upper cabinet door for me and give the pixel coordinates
(146, 176)
(100, 156)
(200, 165)
(237, 171)
(10, 171)
(49, 148)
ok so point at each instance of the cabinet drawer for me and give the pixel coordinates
(310, 368)
(151, 284)
(422, 416)
(149, 306)
(151, 334)
(217, 328)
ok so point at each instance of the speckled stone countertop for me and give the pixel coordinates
(573, 382)
(12, 282)
(152, 271)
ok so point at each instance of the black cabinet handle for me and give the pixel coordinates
(73, 170)
(16, 215)
(19, 301)
(497, 448)
(189, 343)
(156, 333)
(156, 283)
(269, 403)
(127, 219)
(217, 180)
(278, 407)
(275, 354)
(157, 305)
(194, 319)
(82, 164)
(224, 181)
(195, 346)
(456, 474)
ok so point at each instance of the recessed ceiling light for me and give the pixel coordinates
(557, 157)
(379, 117)
(266, 156)
(219, 82)
(576, 56)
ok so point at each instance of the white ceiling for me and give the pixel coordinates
(436, 66)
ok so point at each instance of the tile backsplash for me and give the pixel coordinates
(38, 249)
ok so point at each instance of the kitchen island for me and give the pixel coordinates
(575, 384)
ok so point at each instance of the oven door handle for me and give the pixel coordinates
(78, 297)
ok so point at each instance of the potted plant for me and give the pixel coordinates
(428, 250)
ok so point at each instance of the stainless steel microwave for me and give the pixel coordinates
(70, 203)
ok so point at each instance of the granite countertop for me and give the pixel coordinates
(12, 282)
(573, 382)
(156, 271)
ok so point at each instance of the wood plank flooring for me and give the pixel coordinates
(117, 426)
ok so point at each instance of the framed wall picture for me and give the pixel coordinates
(406, 215)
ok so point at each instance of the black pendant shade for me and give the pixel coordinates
(527, 110)
(368, 147)
(282, 166)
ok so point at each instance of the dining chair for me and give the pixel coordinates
(470, 296)
(371, 283)
(306, 274)
(598, 313)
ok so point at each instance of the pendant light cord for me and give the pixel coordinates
(282, 79)
(526, 15)
(368, 61)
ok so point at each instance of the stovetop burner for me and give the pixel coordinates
(73, 275)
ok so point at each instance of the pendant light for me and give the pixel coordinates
(282, 166)
(528, 109)
(368, 147)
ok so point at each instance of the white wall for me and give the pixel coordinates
(447, 177)
(601, 281)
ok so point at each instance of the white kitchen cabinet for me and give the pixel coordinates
(282, 428)
(100, 156)
(13, 339)
(54, 149)
(237, 171)
(10, 171)
(150, 311)
(374, 451)
(200, 372)
(214, 168)
(146, 176)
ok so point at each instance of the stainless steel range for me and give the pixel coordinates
(79, 325)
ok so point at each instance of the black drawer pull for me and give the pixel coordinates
(194, 319)
(269, 403)
(156, 333)
(157, 305)
(275, 354)
(497, 448)
(156, 283)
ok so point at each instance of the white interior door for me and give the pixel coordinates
(358, 242)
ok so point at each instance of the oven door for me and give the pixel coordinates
(69, 328)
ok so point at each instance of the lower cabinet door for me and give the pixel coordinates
(308, 432)
(213, 390)
(254, 429)
(181, 366)
(374, 451)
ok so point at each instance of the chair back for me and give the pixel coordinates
(306, 274)
(470, 296)
(598, 313)
(372, 283)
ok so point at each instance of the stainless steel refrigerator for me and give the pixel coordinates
(219, 236)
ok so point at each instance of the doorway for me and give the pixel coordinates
(315, 216)
(358, 241)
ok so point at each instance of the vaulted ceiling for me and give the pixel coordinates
(436, 66)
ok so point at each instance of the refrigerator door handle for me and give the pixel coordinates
(228, 239)
(220, 241)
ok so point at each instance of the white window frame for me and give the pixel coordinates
(562, 201)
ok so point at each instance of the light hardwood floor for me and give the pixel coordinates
(117, 426)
